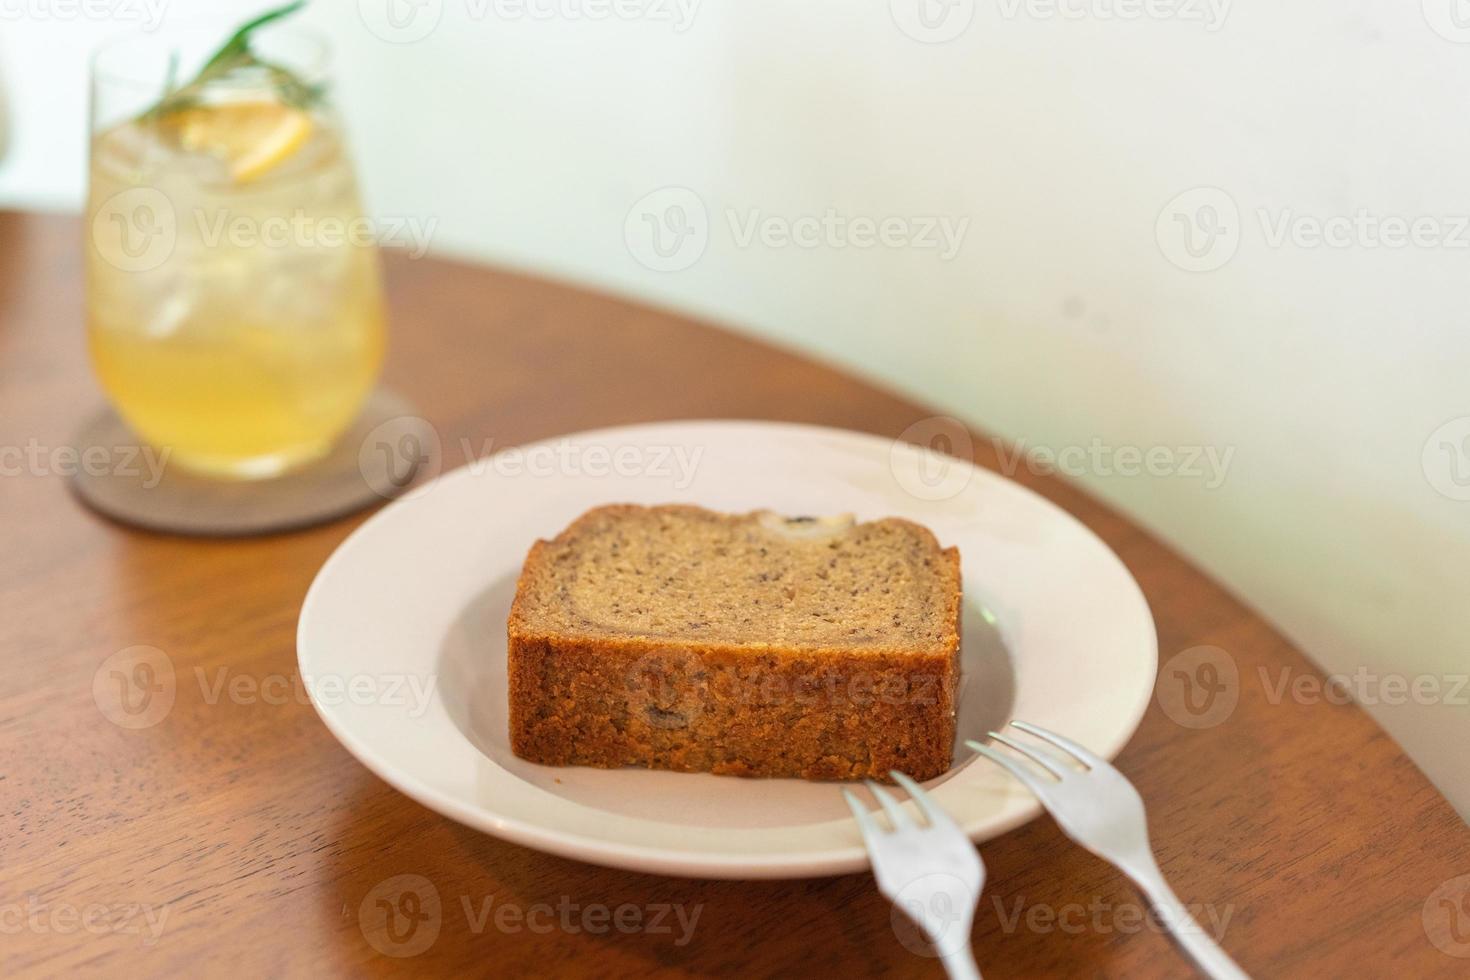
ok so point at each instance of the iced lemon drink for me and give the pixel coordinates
(234, 311)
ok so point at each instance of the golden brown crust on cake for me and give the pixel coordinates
(708, 662)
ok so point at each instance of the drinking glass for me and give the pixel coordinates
(234, 305)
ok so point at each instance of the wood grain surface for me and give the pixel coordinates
(235, 836)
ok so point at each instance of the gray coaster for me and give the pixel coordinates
(376, 460)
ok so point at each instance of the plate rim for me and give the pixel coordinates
(637, 857)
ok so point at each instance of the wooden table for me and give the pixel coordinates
(252, 838)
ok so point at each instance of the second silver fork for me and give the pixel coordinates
(1099, 808)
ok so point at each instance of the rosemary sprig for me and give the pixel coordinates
(236, 55)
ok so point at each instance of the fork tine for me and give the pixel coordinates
(1081, 753)
(1022, 772)
(922, 800)
(896, 816)
(1035, 755)
(869, 827)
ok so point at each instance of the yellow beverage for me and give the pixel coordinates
(234, 310)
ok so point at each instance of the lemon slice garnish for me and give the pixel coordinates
(253, 138)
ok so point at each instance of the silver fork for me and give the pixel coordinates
(1099, 808)
(931, 872)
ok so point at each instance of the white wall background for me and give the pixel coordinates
(528, 129)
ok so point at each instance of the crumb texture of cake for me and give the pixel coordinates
(675, 637)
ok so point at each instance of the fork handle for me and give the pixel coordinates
(1211, 960)
(959, 963)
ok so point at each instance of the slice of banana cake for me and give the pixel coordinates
(674, 637)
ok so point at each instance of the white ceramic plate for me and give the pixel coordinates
(402, 640)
